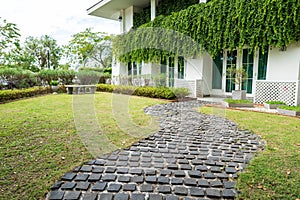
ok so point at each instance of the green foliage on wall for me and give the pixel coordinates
(212, 27)
(166, 7)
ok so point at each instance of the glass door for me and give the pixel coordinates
(171, 71)
(262, 64)
(217, 71)
(231, 60)
(248, 67)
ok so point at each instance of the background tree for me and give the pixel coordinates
(9, 38)
(89, 48)
(35, 49)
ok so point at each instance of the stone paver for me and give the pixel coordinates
(192, 156)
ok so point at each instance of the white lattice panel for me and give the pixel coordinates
(189, 84)
(276, 91)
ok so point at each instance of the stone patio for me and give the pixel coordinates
(193, 156)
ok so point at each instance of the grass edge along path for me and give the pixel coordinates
(39, 143)
(275, 172)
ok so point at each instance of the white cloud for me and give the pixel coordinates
(57, 18)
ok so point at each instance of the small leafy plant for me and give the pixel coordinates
(181, 92)
(293, 108)
(54, 83)
(275, 102)
(238, 101)
(239, 75)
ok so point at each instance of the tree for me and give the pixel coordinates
(9, 38)
(39, 50)
(89, 48)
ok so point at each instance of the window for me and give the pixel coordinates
(134, 66)
(180, 67)
(129, 69)
(140, 64)
(248, 67)
(163, 66)
(171, 72)
(217, 71)
(230, 62)
(262, 64)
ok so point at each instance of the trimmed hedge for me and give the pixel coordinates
(145, 91)
(9, 95)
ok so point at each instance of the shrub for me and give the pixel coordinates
(8, 95)
(181, 92)
(238, 101)
(47, 75)
(94, 69)
(61, 89)
(88, 77)
(105, 88)
(66, 76)
(102, 73)
(145, 91)
(275, 102)
(293, 108)
(17, 78)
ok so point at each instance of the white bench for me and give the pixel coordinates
(81, 89)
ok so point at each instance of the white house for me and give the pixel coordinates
(274, 75)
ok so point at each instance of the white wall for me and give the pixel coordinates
(146, 68)
(194, 68)
(115, 68)
(284, 65)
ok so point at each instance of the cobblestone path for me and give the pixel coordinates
(193, 156)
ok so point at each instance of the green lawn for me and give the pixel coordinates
(275, 172)
(41, 138)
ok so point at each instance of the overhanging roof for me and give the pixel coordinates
(110, 9)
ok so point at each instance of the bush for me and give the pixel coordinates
(146, 91)
(293, 108)
(88, 77)
(105, 88)
(66, 76)
(275, 102)
(94, 69)
(8, 95)
(181, 92)
(61, 89)
(238, 101)
(17, 78)
(102, 74)
(47, 75)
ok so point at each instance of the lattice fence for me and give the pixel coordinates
(286, 91)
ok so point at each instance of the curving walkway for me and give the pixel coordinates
(193, 156)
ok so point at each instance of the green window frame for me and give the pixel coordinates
(181, 67)
(217, 71)
(263, 64)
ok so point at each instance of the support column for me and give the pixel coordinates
(168, 73)
(122, 21)
(153, 9)
(176, 68)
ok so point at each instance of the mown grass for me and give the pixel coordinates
(275, 172)
(39, 141)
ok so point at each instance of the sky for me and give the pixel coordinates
(58, 18)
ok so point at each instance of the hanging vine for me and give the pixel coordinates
(212, 27)
(166, 7)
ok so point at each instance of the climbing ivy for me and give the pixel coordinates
(212, 27)
(166, 7)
